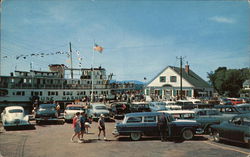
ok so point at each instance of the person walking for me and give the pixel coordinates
(162, 126)
(77, 127)
(101, 127)
(82, 122)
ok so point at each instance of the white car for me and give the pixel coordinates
(170, 105)
(71, 110)
(14, 116)
(95, 110)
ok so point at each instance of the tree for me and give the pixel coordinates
(228, 82)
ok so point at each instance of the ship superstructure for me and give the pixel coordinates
(47, 86)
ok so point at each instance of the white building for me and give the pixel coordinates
(167, 84)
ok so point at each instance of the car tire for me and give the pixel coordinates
(187, 134)
(135, 136)
(216, 136)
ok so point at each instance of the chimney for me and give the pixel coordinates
(187, 68)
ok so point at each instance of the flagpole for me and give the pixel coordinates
(92, 73)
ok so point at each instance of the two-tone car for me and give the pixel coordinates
(71, 110)
(157, 106)
(14, 116)
(141, 124)
(236, 130)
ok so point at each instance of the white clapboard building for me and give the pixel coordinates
(167, 84)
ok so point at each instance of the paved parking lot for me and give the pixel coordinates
(54, 140)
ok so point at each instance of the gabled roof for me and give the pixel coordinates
(190, 77)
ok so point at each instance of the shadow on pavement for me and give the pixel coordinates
(242, 145)
(44, 123)
(175, 140)
(18, 128)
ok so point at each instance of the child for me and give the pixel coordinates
(101, 127)
(77, 127)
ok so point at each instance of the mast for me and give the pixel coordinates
(92, 74)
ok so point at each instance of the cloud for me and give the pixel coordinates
(221, 19)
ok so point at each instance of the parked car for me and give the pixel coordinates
(157, 106)
(171, 105)
(46, 112)
(14, 116)
(225, 101)
(236, 130)
(181, 114)
(243, 108)
(119, 109)
(95, 111)
(141, 124)
(235, 101)
(185, 104)
(228, 110)
(206, 117)
(140, 107)
(71, 110)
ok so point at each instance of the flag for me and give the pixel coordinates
(98, 48)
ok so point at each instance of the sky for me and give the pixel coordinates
(140, 38)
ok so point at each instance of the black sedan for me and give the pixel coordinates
(236, 130)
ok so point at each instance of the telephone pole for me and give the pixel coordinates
(181, 60)
(71, 67)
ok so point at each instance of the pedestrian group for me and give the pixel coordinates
(81, 124)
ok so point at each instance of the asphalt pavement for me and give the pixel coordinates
(53, 140)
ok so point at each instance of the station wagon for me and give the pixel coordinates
(141, 124)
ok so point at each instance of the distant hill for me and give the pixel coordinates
(127, 81)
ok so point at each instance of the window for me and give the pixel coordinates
(162, 79)
(134, 120)
(150, 119)
(172, 78)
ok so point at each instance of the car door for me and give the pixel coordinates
(235, 129)
(150, 126)
(134, 124)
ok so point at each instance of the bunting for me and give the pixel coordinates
(22, 56)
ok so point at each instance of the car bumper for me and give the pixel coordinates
(115, 133)
(46, 119)
(14, 124)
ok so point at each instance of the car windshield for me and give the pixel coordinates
(74, 108)
(100, 108)
(16, 111)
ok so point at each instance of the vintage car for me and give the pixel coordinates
(141, 124)
(157, 106)
(14, 116)
(46, 112)
(245, 108)
(119, 109)
(171, 105)
(140, 107)
(236, 130)
(71, 110)
(95, 111)
(228, 110)
(185, 104)
(206, 117)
